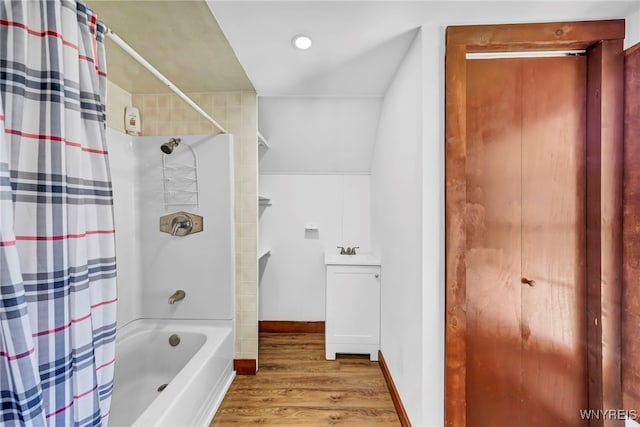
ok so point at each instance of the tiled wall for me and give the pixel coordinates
(167, 114)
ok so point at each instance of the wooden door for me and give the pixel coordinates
(631, 234)
(526, 353)
(603, 43)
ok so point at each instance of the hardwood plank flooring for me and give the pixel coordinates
(296, 386)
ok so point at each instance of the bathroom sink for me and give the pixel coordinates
(359, 259)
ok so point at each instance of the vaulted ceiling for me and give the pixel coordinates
(359, 44)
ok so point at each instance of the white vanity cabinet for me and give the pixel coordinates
(352, 322)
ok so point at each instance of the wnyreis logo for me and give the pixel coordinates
(608, 414)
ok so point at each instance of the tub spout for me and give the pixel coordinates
(177, 296)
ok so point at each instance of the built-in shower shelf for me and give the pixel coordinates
(262, 142)
(186, 178)
(264, 201)
(263, 253)
(179, 167)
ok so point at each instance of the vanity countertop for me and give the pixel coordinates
(358, 259)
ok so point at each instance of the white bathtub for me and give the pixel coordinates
(198, 372)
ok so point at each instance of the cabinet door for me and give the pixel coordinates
(353, 304)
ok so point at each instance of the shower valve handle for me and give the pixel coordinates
(181, 222)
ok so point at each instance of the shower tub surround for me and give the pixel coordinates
(153, 265)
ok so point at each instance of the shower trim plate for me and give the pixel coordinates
(168, 223)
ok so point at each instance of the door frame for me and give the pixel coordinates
(603, 41)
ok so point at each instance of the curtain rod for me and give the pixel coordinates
(135, 55)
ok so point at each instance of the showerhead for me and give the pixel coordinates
(169, 146)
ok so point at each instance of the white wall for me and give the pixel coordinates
(123, 165)
(433, 288)
(632, 30)
(316, 171)
(318, 134)
(397, 235)
(292, 284)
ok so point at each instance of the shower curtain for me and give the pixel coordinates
(57, 255)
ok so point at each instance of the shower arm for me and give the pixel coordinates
(135, 55)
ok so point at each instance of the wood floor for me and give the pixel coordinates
(296, 386)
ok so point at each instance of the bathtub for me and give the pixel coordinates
(198, 372)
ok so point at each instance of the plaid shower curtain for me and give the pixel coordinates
(57, 255)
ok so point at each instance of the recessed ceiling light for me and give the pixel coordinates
(301, 42)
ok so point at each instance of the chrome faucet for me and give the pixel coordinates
(177, 296)
(348, 251)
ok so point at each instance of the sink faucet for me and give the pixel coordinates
(177, 296)
(348, 251)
